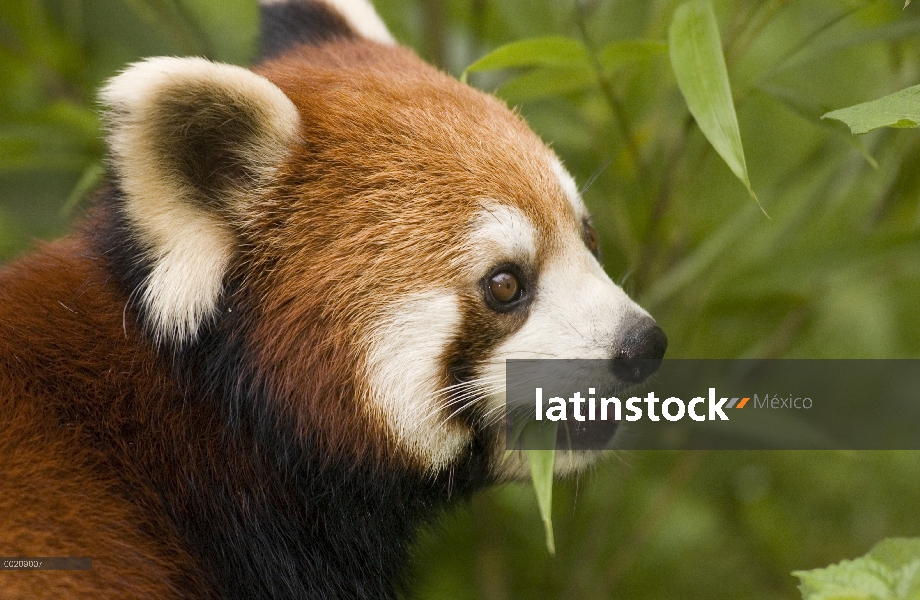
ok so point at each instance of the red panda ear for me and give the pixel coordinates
(190, 139)
(289, 23)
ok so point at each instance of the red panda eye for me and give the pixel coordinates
(504, 287)
(590, 237)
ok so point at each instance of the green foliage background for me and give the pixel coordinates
(835, 271)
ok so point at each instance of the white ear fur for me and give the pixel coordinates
(362, 17)
(190, 139)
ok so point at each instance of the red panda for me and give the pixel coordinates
(275, 345)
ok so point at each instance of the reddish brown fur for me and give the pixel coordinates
(63, 351)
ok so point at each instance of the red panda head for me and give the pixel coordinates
(379, 237)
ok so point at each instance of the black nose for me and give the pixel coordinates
(640, 353)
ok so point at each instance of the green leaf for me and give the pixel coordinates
(699, 66)
(900, 110)
(890, 571)
(617, 54)
(542, 463)
(551, 51)
(562, 64)
(544, 82)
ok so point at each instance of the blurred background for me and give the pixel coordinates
(833, 273)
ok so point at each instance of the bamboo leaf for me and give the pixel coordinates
(542, 466)
(544, 82)
(699, 66)
(900, 110)
(550, 51)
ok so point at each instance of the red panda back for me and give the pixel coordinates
(66, 361)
